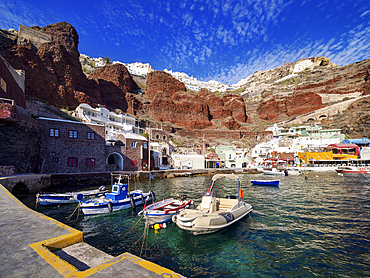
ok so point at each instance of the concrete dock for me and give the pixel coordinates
(34, 245)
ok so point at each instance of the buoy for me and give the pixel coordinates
(164, 226)
(110, 207)
(241, 194)
(156, 226)
(132, 202)
(161, 226)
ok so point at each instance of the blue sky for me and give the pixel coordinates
(223, 40)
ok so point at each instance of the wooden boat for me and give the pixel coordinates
(162, 211)
(118, 199)
(352, 170)
(266, 182)
(45, 199)
(213, 214)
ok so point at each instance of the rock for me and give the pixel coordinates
(115, 82)
(8, 113)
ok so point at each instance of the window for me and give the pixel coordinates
(91, 135)
(55, 159)
(54, 132)
(90, 162)
(72, 162)
(164, 137)
(133, 144)
(145, 145)
(72, 134)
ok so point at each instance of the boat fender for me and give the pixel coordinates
(102, 188)
(152, 195)
(156, 226)
(132, 202)
(80, 197)
(142, 199)
(174, 218)
(164, 226)
(110, 207)
(183, 197)
(241, 193)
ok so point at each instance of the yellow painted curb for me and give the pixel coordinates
(45, 249)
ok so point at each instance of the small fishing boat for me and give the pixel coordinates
(274, 171)
(213, 214)
(352, 170)
(118, 199)
(266, 182)
(162, 211)
(46, 199)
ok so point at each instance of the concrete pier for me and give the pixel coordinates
(34, 245)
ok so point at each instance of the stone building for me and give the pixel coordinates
(12, 83)
(75, 147)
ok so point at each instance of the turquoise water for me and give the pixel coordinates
(315, 227)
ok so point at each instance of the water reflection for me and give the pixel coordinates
(315, 227)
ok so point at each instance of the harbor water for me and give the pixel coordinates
(314, 227)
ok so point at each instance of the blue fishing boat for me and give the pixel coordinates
(46, 199)
(118, 199)
(266, 182)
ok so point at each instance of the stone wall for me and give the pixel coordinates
(56, 151)
(28, 35)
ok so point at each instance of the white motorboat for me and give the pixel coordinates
(162, 211)
(213, 214)
(45, 199)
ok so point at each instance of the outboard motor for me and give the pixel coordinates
(286, 172)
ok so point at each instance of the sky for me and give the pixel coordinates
(222, 40)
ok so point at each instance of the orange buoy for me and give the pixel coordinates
(241, 194)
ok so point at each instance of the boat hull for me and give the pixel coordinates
(266, 182)
(102, 205)
(197, 222)
(46, 199)
(162, 211)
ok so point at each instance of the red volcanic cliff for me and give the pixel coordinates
(53, 72)
(312, 85)
(115, 82)
(169, 101)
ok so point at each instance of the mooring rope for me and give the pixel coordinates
(69, 217)
(127, 232)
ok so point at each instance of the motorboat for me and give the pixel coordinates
(118, 199)
(266, 182)
(213, 214)
(46, 199)
(162, 211)
(352, 170)
(274, 171)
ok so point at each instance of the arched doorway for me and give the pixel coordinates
(20, 188)
(115, 159)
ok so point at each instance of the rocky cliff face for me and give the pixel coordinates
(169, 101)
(115, 83)
(309, 84)
(20, 144)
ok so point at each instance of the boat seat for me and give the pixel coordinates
(226, 204)
(208, 204)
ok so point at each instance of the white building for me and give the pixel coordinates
(137, 68)
(115, 124)
(185, 161)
